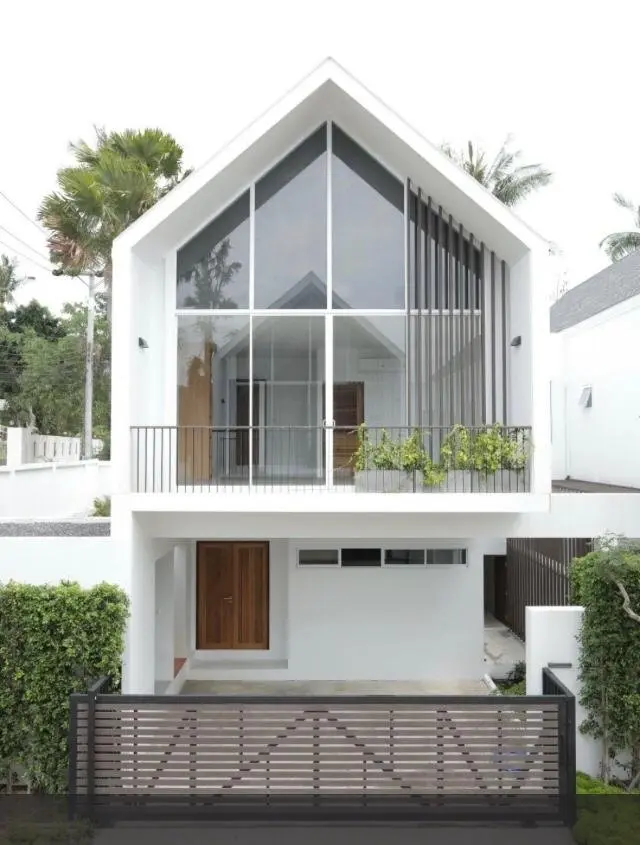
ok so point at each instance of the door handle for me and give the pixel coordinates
(228, 599)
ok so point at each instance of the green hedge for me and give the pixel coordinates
(607, 814)
(610, 646)
(54, 640)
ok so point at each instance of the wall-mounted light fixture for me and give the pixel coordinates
(517, 341)
(142, 343)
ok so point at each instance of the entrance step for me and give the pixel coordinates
(209, 669)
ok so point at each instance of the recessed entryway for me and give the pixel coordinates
(232, 595)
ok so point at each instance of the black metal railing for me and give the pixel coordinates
(368, 459)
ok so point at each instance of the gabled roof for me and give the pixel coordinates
(616, 283)
(328, 93)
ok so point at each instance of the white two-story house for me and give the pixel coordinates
(330, 397)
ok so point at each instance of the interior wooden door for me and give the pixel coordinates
(348, 413)
(194, 421)
(232, 591)
(242, 420)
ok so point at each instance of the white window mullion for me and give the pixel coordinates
(252, 274)
(328, 336)
(328, 399)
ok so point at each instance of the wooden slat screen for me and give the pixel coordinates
(538, 575)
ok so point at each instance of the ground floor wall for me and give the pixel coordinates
(357, 623)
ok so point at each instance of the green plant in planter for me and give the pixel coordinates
(412, 453)
(456, 449)
(362, 456)
(386, 454)
(432, 474)
(485, 451)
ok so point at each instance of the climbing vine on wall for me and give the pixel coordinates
(606, 583)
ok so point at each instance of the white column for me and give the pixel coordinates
(182, 645)
(141, 553)
(18, 440)
(164, 619)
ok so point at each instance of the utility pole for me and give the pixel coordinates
(88, 373)
(87, 439)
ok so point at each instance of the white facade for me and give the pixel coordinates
(596, 398)
(261, 364)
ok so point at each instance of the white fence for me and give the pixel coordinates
(25, 446)
(52, 490)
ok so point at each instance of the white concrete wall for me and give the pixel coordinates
(600, 441)
(387, 623)
(552, 638)
(422, 623)
(52, 490)
(49, 560)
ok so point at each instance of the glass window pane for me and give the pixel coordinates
(404, 557)
(368, 230)
(213, 373)
(369, 383)
(446, 557)
(213, 268)
(291, 230)
(318, 557)
(288, 381)
(361, 557)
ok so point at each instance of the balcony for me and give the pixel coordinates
(434, 459)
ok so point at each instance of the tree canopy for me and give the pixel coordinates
(617, 245)
(503, 175)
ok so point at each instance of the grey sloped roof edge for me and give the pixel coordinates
(616, 283)
(90, 527)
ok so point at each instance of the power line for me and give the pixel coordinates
(20, 211)
(26, 257)
(24, 243)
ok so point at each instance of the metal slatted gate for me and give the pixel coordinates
(310, 758)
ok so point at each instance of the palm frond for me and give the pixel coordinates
(620, 244)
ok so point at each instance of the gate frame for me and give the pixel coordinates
(107, 809)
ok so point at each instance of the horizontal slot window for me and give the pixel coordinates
(318, 557)
(361, 557)
(404, 557)
(446, 557)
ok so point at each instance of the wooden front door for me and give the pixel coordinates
(232, 590)
(348, 413)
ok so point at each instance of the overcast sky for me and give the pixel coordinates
(558, 76)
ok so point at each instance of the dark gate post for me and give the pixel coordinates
(72, 780)
(570, 760)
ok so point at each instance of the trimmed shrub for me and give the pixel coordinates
(54, 640)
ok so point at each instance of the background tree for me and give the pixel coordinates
(42, 368)
(619, 244)
(109, 186)
(504, 176)
(9, 280)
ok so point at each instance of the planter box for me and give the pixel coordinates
(469, 481)
(385, 481)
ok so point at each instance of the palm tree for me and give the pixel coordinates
(110, 185)
(9, 280)
(619, 244)
(504, 176)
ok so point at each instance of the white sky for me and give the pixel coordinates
(559, 76)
